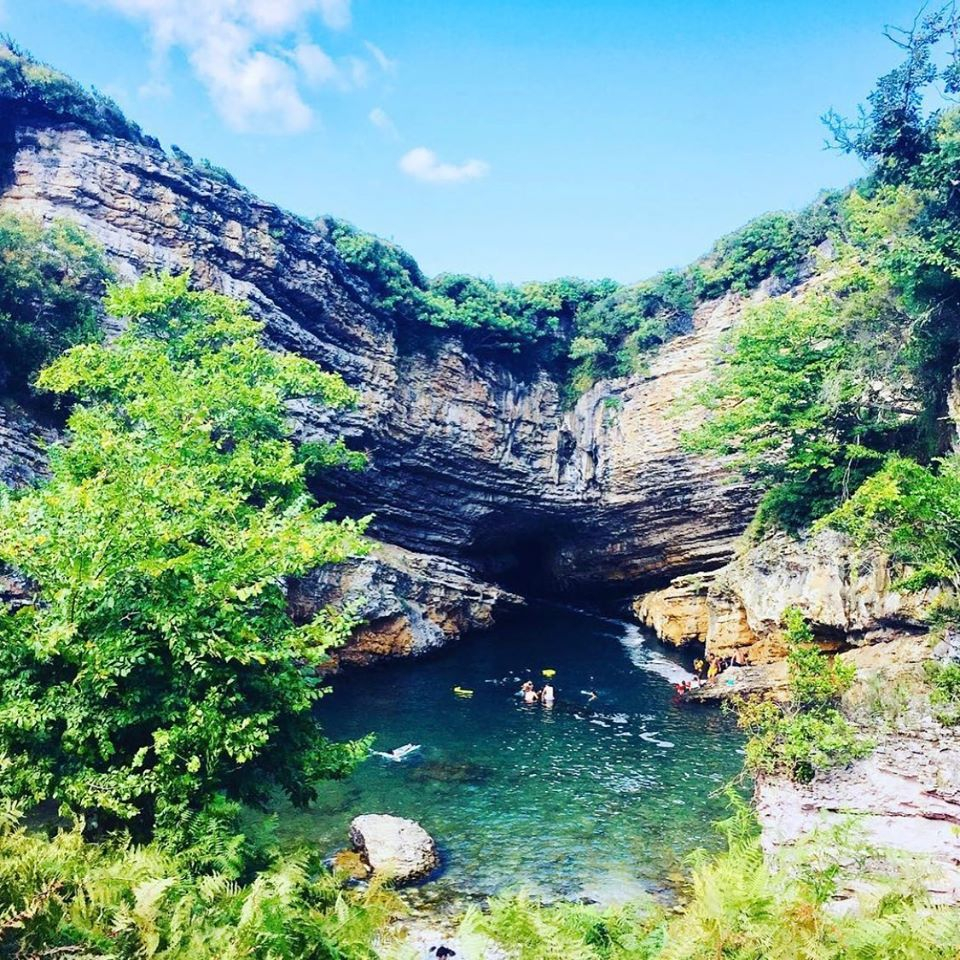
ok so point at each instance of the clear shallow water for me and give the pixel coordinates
(596, 799)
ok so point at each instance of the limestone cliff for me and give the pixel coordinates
(471, 460)
(849, 596)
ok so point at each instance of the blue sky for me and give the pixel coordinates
(518, 140)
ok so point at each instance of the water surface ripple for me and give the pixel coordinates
(594, 797)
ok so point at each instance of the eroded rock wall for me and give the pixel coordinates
(904, 798)
(470, 460)
(848, 596)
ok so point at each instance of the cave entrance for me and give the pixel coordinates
(522, 551)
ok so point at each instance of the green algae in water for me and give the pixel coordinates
(593, 798)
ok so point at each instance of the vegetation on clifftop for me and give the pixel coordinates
(817, 393)
(26, 82)
(582, 330)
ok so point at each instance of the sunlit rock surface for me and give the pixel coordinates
(904, 798)
(408, 603)
(394, 847)
(848, 596)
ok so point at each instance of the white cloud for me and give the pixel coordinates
(241, 52)
(316, 64)
(336, 13)
(423, 164)
(155, 89)
(381, 120)
(383, 61)
(356, 71)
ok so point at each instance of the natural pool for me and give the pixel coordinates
(598, 799)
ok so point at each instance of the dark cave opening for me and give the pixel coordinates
(520, 551)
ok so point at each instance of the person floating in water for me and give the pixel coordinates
(528, 692)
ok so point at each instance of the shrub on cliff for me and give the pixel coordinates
(157, 675)
(28, 84)
(808, 732)
(913, 512)
(50, 278)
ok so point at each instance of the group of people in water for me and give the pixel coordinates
(546, 695)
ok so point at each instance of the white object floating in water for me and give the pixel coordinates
(400, 753)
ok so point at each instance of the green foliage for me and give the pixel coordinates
(26, 81)
(893, 132)
(66, 896)
(528, 930)
(49, 279)
(490, 316)
(585, 331)
(157, 668)
(795, 401)
(808, 732)
(773, 245)
(216, 172)
(913, 512)
(945, 696)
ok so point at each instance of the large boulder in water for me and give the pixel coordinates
(394, 847)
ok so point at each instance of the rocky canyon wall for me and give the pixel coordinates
(470, 461)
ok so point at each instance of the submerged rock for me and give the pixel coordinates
(450, 771)
(394, 847)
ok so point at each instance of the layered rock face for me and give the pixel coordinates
(409, 603)
(904, 797)
(470, 460)
(846, 594)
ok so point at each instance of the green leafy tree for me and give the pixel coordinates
(913, 512)
(157, 672)
(50, 279)
(893, 130)
(797, 400)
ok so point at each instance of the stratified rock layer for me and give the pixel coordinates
(470, 460)
(905, 797)
(409, 603)
(848, 596)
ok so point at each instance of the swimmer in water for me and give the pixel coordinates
(547, 695)
(528, 693)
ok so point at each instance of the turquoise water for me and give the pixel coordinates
(598, 799)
